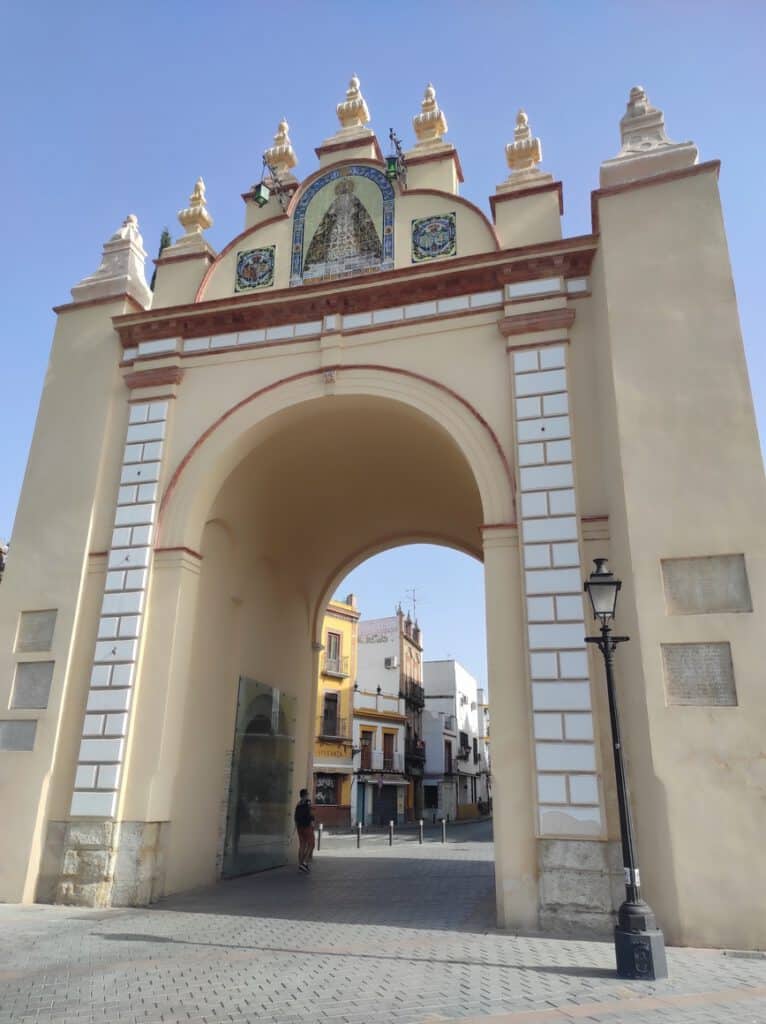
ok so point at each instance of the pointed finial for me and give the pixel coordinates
(195, 218)
(121, 269)
(353, 112)
(646, 150)
(281, 156)
(430, 124)
(525, 152)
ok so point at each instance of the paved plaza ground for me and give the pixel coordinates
(400, 935)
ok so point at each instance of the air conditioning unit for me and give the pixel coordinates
(392, 662)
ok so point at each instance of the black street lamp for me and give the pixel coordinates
(638, 942)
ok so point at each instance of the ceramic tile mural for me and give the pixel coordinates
(433, 237)
(255, 269)
(343, 225)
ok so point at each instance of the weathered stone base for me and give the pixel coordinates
(90, 863)
(581, 885)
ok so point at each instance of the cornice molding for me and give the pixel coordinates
(154, 377)
(570, 257)
(542, 320)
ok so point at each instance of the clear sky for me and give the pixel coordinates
(109, 109)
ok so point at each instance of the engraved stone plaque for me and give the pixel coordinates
(32, 685)
(696, 586)
(699, 675)
(36, 631)
(17, 734)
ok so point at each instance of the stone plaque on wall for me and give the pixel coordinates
(696, 586)
(32, 685)
(17, 734)
(36, 631)
(699, 675)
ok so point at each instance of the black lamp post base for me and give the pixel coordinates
(640, 954)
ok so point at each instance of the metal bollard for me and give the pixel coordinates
(358, 834)
(420, 831)
(444, 830)
(319, 837)
(390, 833)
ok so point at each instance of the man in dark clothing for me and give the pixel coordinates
(304, 824)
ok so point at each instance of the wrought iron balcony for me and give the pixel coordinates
(463, 753)
(337, 667)
(415, 751)
(378, 761)
(331, 727)
(412, 691)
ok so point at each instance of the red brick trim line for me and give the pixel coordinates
(657, 179)
(522, 193)
(337, 147)
(398, 371)
(570, 257)
(543, 320)
(184, 550)
(426, 158)
(154, 377)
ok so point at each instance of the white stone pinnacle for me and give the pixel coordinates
(121, 270)
(646, 150)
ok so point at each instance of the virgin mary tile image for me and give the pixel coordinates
(346, 239)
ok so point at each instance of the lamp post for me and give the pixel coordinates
(638, 942)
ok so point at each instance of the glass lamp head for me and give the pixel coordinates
(392, 167)
(602, 587)
(261, 194)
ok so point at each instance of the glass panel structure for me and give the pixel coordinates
(259, 818)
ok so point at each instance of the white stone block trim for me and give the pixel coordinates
(568, 790)
(105, 725)
(314, 328)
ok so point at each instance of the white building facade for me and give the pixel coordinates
(457, 780)
(378, 788)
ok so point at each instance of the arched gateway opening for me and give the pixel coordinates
(325, 483)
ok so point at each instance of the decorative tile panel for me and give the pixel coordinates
(568, 792)
(350, 237)
(112, 673)
(434, 237)
(255, 269)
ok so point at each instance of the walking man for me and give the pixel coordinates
(304, 824)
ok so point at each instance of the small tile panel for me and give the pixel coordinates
(255, 269)
(434, 237)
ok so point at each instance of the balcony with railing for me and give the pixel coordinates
(331, 727)
(378, 761)
(412, 691)
(415, 753)
(336, 667)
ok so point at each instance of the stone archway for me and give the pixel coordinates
(298, 508)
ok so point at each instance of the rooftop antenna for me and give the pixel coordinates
(412, 594)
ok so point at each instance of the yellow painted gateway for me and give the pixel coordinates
(376, 360)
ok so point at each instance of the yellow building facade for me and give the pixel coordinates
(333, 758)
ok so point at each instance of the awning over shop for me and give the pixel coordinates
(386, 780)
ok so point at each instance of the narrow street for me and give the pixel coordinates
(381, 934)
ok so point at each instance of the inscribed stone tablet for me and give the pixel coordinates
(32, 685)
(36, 631)
(699, 674)
(17, 734)
(696, 586)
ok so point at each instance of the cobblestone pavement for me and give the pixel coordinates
(400, 935)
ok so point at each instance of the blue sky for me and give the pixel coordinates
(109, 109)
